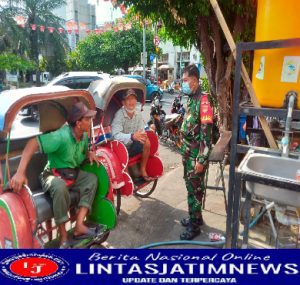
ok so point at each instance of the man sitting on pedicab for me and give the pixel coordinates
(66, 148)
(128, 127)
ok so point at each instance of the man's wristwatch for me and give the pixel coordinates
(131, 137)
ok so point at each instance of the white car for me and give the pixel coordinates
(78, 79)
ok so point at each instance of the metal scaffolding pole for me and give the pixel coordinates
(144, 51)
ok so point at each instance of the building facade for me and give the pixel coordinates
(174, 59)
(82, 15)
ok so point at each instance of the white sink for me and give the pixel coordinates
(272, 169)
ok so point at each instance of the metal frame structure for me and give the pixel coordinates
(234, 193)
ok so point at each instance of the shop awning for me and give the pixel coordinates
(165, 66)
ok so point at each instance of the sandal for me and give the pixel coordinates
(186, 221)
(190, 233)
(88, 235)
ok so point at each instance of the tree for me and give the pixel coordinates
(110, 50)
(129, 45)
(193, 22)
(12, 62)
(33, 42)
(95, 52)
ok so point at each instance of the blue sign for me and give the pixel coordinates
(152, 56)
(176, 266)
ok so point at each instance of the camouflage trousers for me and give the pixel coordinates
(195, 184)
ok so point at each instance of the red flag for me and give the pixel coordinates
(128, 26)
(42, 28)
(60, 30)
(120, 26)
(122, 8)
(51, 30)
(71, 25)
(20, 20)
(33, 27)
(82, 26)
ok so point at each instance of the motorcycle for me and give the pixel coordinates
(166, 126)
(170, 89)
(177, 107)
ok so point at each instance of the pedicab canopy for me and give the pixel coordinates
(53, 105)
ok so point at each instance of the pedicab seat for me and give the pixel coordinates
(43, 204)
(135, 159)
(42, 201)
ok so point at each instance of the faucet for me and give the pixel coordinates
(291, 97)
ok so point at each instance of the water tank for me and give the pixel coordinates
(276, 71)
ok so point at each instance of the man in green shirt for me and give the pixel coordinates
(66, 148)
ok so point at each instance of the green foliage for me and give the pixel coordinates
(179, 17)
(110, 50)
(12, 62)
(24, 41)
(205, 85)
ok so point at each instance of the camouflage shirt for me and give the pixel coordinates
(196, 137)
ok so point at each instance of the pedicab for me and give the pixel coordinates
(124, 172)
(26, 217)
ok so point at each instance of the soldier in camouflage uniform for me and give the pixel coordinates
(196, 134)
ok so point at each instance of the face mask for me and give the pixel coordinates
(186, 88)
(129, 111)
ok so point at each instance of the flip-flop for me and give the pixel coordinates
(89, 234)
(148, 178)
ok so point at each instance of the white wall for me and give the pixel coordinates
(85, 14)
(168, 47)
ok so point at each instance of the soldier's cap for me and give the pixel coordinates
(130, 92)
(80, 110)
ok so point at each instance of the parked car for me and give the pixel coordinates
(78, 79)
(151, 89)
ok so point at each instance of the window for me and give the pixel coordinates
(164, 57)
(84, 82)
(66, 82)
(78, 82)
(185, 56)
(76, 16)
(93, 22)
(142, 80)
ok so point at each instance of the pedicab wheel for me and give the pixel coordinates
(118, 201)
(146, 190)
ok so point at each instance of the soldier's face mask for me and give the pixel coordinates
(186, 88)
